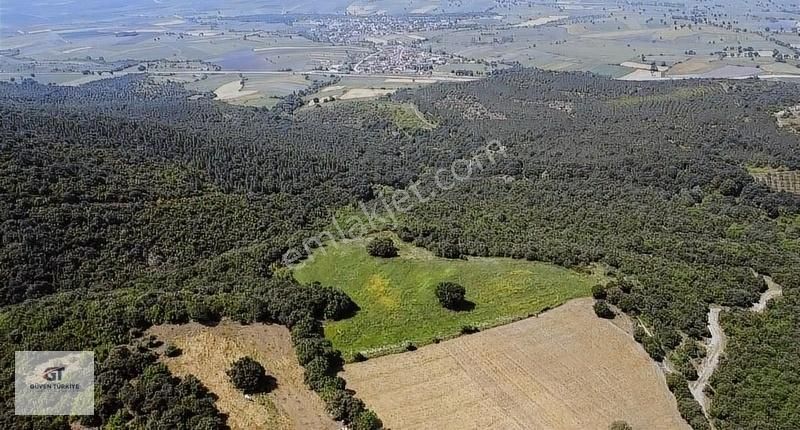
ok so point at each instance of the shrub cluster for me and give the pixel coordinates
(688, 407)
(321, 362)
(383, 247)
(651, 344)
(602, 310)
(599, 292)
(172, 351)
(138, 392)
(620, 425)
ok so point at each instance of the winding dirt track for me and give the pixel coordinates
(715, 347)
(716, 344)
(773, 290)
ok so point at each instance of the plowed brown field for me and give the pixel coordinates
(566, 369)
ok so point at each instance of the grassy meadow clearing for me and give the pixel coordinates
(397, 299)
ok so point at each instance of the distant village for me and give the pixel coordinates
(397, 49)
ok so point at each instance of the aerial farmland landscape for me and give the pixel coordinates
(400, 215)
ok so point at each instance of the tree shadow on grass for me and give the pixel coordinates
(463, 306)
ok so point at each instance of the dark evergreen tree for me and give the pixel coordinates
(248, 375)
(383, 247)
(450, 295)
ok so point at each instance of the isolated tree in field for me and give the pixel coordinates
(450, 295)
(382, 247)
(602, 309)
(620, 425)
(248, 375)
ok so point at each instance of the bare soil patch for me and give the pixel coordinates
(693, 66)
(566, 369)
(209, 351)
(789, 118)
(535, 22)
(232, 90)
(409, 81)
(643, 66)
(332, 88)
(362, 93)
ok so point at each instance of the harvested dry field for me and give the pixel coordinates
(788, 181)
(208, 353)
(361, 93)
(566, 369)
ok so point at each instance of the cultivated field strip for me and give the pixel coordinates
(566, 369)
(788, 181)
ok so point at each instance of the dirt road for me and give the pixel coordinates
(716, 344)
(773, 290)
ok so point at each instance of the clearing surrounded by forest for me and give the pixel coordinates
(397, 301)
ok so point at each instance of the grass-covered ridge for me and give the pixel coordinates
(397, 300)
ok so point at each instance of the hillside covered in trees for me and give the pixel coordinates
(651, 180)
(126, 204)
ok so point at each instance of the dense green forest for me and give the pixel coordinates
(127, 211)
(126, 204)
